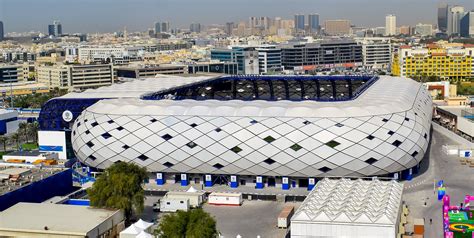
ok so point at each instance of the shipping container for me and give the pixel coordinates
(229, 199)
(285, 216)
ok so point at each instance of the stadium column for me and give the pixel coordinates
(259, 184)
(184, 180)
(160, 180)
(208, 180)
(311, 183)
(285, 184)
(233, 181)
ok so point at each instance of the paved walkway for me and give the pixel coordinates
(227, 189)
(453, 136)
(458, 180)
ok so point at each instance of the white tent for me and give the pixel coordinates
(191, 190)
(131, 232)
(143, 234)
(143, 225)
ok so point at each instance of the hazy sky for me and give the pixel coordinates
(138, 15)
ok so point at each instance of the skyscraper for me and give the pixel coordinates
(229, 27)
(55, 29)
(162, 27)
(313, 21)
(1, 31)
(467, 25)
(299, 22)
(443, 17)
(195, 27)
(390, 25)
(455, 14)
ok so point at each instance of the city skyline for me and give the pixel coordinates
(108, 17)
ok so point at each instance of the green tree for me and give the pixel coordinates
(23, 130)
(15, 137)
(3, 140)
(33, 131)
(120, 187)
(194, 223)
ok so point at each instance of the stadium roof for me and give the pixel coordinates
(352, 201)
(386, 95)
(137, 87)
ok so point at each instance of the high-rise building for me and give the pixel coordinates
(337, 27)
(55, 29)
(195, 27)
(262, 23)
(443, 17)
(390, 25)
(162, 27)
(467, 25)
(313, 21)
(455, 14)
(229, 27)
(424, 29)
(405, 30)
(299, 22)
(2, 36)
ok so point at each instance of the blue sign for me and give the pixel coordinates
(56, 148)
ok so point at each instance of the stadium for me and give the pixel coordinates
(243, 130)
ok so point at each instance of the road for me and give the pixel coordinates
(458, 179)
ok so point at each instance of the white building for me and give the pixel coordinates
(424, 29)
(269, 59)
(376, 52)
(455, 14)
(390, 25)
(110, 54)
(350, 208)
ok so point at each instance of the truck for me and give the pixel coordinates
(285, 216)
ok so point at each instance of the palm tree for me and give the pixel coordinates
(23, 130)
(15, 137)
(33, 131)
(3, 140)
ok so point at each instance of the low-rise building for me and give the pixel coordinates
(350, 208)
(445, 61)
(8, 122)
(75, 76)
(59, 220)
(11, 73)
(149, 70)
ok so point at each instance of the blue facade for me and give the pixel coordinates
(299, 22)
(3, 124)
(59, 184)
(313, 22)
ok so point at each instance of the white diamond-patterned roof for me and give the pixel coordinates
(387, 95)
(352, 201)
(137, 87)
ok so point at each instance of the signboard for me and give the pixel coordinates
(183, 176)
(233, 178)
(465, 153)
(259, 179)
(208, 177)
(329, 52)
(311, 181)
(285, 180)
(67, 116)
(159, 176)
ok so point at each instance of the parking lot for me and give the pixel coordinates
(252, 219)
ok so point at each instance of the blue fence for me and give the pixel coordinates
(59, 184)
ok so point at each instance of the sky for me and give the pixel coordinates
(89, 16)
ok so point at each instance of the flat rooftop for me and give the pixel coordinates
(352, 201)
(58, 218)
(35, 175)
